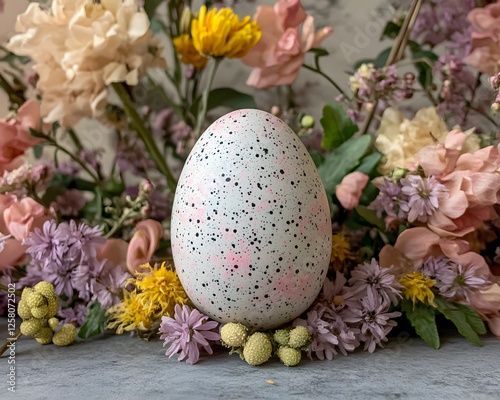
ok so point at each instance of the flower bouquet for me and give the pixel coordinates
(89, 231)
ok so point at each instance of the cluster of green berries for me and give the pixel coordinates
(37, 308)
(258, 347)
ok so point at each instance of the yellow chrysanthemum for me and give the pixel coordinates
(189, 55)
(416, 286)
(220, 33)
(159, 290)
(129, 314)
(341, 249)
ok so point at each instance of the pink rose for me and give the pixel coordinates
(485, 54)
(280, 53)
(24, 216)
(350, 189)
(5, 202)
(15, 137)
(143, 244)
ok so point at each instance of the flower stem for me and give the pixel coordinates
(9, 342)
(13, 96)
(202, 113)
(318, 71)
(144, 134)
(6, 289)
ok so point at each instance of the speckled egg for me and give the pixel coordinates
(251, 231)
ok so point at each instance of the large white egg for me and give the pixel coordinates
(251, 231)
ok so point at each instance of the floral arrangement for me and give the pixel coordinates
(414, 193)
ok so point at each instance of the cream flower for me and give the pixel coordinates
(79, 48)
(400, 139)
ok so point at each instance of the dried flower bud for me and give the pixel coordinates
(299, 337)
(65, 336)
(307, 121)
(290, 357)
(276, 110)
(233, 334)
(258, 349)
(282, 336)
(44, 335)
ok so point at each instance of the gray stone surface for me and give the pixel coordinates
(123, 367)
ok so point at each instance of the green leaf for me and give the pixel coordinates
(319, 52)
(95, 322)
(38, 151)
(465, 319)
(225, 97)
(344, 159)
(381, 59)
(317, 158)
(391, 30)
(369, 165)
(370, 216)
(38, 134)
(423, 319)
(425, 70)
(337, 126)
(150, 7)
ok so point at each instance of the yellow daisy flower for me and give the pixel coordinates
(417, 287)
(341, 250)
(220, 33)
(129, 314)
(189, 55)
(159, 290)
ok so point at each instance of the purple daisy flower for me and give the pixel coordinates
(390, 200)
(423, 196)
(370, 276)
(337, 296)
(75, 314)
(433, 265)
(187, 332)
(373, 319)
(457, 282)
(83, 240)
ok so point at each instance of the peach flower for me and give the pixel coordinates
(485, 54)
(115, 252)
(13, 254)
(143, 244)
(350, 189)
(15, 137)
(472, 181)
(79, 47)
(400, 139)
(23, 216)
(487, 304)
(280, 53)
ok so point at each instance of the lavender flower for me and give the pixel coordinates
(374, 320)
(423, 196)
(390, 200)
(433, 265)
(323, 340)
(187, 332)
(369, 276)
(109, 284)
(347, 336)
(70, 202)
(59, 273)
(457, 282)
(77, 313)
(337, 296)
(131, 156)
(69, 167)
(83, 240)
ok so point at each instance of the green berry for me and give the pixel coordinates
(46, 289)
(26, 292)
(307, 121)
(65, 336)
(39, 312)
(52, 307)
(31, 327)
(53, 323)
(34, 299)
(257, 349)
(282, 336)
(44, 335)
(289, 356)
(299, 337)
(23, 310)
(233, 334)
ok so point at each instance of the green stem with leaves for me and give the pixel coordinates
(13, 95)
(202, 113)
(144, 133)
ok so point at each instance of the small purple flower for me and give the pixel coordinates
(370, 276)
(187, 332)
(457, 282)
(374, 320)
(423, 196)
(69, 167)
(433, 265)
(84, 240)
(323, 340)
(109, 284)
(70, 202)
(390, 200)
(75, 314)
